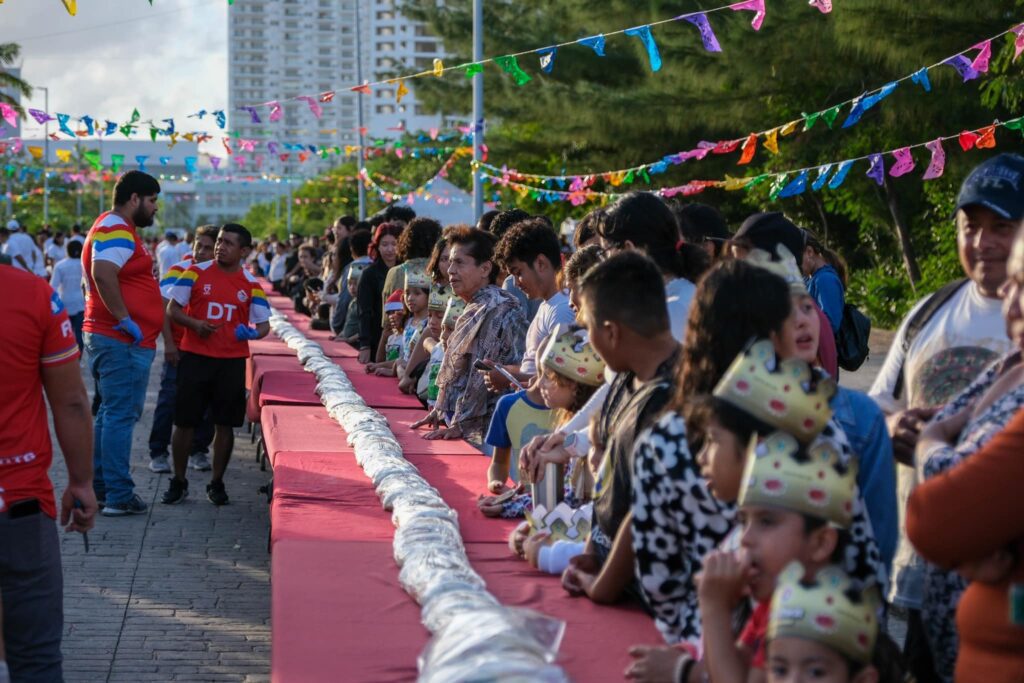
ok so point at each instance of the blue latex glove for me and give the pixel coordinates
(245, 333)
(128, 326)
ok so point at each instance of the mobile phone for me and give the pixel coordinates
(484, 367)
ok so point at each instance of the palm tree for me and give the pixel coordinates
(8, 81)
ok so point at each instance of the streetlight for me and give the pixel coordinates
(478, 107)
(359, 116)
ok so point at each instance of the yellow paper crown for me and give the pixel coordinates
(815, 482)
(822, 610)
(356, 270)
(787, 395)
(439, 295)
(416, 277)
(785, 267)
(568, 353)
(455, 308)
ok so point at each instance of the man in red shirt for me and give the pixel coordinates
(40, 352)
(222, 307)
(123, 316)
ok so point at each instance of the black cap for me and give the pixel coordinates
(767, 230)
(997, 184)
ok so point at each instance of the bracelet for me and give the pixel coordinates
(684, 665)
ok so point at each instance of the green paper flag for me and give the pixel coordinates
(115, 162)
(1016, 124)
(135, 115)
(126, 130)
(630, 177)
(510, 65)
(830, 115)
(776, 188)
(152, 133)
(647, 178)
(810, 120)
(473, 69)
(93, 157)
(757, 181)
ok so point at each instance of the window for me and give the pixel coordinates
(425, 46)
(385, 109)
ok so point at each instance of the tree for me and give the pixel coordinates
(8, 81)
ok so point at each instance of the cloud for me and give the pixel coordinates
(167, 60)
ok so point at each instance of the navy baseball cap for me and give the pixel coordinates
(996, 184)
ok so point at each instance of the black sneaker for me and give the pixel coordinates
(177, 491)
(135, 506)
(216, 493)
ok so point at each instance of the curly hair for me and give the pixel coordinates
(479, 245)
(504, 221)
(734, 303)
(418, 239)
(579, 263)
(527, 240)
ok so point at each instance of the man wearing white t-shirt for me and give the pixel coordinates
(942, 346)
(170, 251)
(55, 249)
(21, 249)
(530, 252)
(67, 282)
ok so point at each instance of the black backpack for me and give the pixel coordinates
(852, 338)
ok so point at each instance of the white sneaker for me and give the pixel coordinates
(199, 461)
(159, 465)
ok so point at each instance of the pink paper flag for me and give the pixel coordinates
(980, 63)
(756, 6)
(1019, 43)
(314, 106)
(937, 165)
(823, 6)
(904, 162)
(10, 116)
(275, 111)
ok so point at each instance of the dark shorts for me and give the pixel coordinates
(217, 384)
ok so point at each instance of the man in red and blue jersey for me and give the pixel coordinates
(123, 317)
(222, 307)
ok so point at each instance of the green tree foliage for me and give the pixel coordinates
(594, 114)
(8, 81)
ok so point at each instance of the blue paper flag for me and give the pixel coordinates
(170, 126)
(62, 121)
(596, 43)
(190, 164)
(221, 119)
(822, 178)
(796, 186)
(840, 177)
(921, 78)
(87, 120)
(140, 159)
(165, 160)
(644, 34)
(865, 102)
(547, 59)
(877, 170)
(111, 128)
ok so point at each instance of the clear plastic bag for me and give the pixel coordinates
(404, 512)
(497, 668)
(425, 533)
(395, 466)
(439, 610)
(487, 637)
(431, 570)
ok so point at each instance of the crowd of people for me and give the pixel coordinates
(679, 383)
(671, 383)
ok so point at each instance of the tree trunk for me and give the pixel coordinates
(903, 231)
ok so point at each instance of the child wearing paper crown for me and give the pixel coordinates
(824, 627)
(415, 379)
(395, 310)
(416, 297)
(453, 309)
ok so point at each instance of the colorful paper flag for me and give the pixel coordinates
(707, 34)
(645, 36)
(755, 6)
(595, 43)
(904, 163)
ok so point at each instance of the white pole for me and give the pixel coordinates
(289, 206)
(359, 116)
(478, 105)
(46, 157)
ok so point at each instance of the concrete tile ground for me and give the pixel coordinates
(179, 594)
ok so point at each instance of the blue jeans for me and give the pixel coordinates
(122, 373)
(163, 418)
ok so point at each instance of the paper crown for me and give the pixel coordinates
(787, 395)
(822, 610)
(439, 295)
(355, 270)
(562, 522)
(814, 481)
(455, 308)
(786, 267)
(568, 353)
(416, 277)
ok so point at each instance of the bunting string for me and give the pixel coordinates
(968, 68)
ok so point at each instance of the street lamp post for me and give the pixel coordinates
(46, 155)
(359, 114)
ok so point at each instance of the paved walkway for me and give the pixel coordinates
(179, 594)
(862, 380)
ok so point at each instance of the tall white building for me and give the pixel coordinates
(278, 49)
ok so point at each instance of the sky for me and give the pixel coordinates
(168, 60)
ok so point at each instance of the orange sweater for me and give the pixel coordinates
(967, 514)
